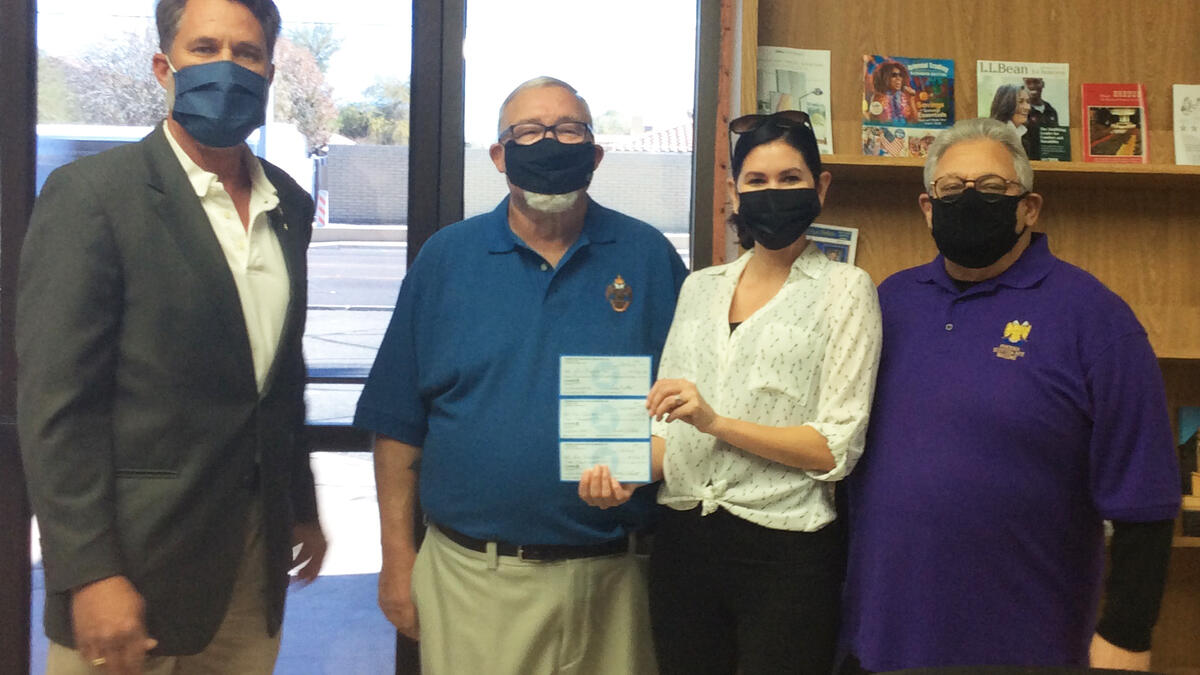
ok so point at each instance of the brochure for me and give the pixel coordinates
(797, 79)
(1114, 123)
(883, 141)
(1034, 98)
(906, 102)
(1187, 123)
(839, 244)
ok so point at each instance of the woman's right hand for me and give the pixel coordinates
(598, 488)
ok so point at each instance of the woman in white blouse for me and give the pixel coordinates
(770, 365)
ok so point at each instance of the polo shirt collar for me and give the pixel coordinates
(1028, 270)
(596, 229)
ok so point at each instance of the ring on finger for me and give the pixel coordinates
(678, 401)
(99, 661)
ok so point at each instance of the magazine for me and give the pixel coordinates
(1025, 95)
(1187, 123)
(885, 141)
(839, 244)
(906, 102)
(1114, 123)
(797, 79)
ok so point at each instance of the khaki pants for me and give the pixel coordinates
(241, 644)
(482, 613)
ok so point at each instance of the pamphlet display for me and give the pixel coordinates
(1114, 123)
(906, 103)
(1034, 98)
(797, 79)
(839, 244)
(1186, 104)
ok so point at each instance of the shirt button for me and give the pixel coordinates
(545, 267)
(949, 326)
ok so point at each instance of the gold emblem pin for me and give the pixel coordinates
(1016, 333)
(619, 294)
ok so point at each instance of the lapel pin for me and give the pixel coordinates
(619, 294)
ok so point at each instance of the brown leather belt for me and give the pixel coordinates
(539, 552)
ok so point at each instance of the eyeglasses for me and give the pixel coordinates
(784, 118)
(528, 133)
(991, 188)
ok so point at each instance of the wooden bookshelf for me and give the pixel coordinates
(1135, 227)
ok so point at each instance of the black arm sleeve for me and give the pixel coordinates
(1140, 553)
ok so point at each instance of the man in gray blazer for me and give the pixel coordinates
(161, 382)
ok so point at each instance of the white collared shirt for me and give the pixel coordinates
(807, 357)
(254, 254)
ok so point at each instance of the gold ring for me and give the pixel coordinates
(99, 661)
(678, 401)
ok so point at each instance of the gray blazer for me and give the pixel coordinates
(139, 417)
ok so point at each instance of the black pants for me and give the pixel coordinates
(729, 596)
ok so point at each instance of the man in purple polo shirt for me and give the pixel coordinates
(1018, 406)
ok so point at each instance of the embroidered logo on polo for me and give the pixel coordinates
(1016, 333)
(619, 294)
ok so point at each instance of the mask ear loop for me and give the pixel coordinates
(171, 87)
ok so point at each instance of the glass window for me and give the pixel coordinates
(633, 61)
(337, 122)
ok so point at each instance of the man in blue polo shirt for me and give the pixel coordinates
(1018, 406)
(516, 574)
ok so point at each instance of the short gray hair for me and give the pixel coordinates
(169, 13)
(538, 83)
(980, 128)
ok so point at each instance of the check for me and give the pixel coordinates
(629, 461)
(603, 418)
(604, 376)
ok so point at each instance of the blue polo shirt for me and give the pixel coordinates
(468, 368)
(1009, 421)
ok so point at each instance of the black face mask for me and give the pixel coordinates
(776, 218)
(975, 233)
(549, 167)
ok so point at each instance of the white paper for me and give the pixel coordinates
(797, 79)
(629, 461)
(604, 376)
(602, 417)
(1187, 123)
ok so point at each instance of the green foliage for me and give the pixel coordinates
(354, 120)
(319, 39)
(612, 122)
(56, 101)
(382, 119)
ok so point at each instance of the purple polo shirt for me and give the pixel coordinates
(1009, 421)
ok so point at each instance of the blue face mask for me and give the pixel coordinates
(219, 103)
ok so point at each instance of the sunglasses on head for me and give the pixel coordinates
(784, 118)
